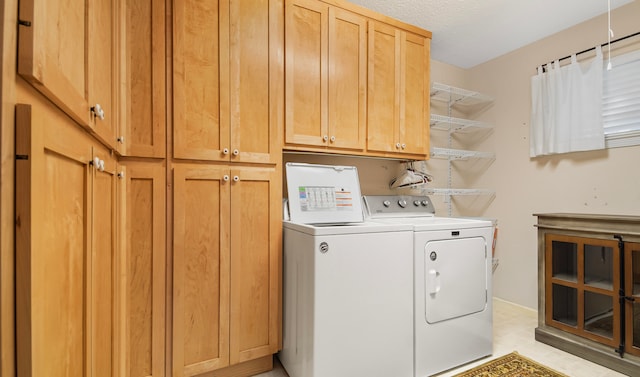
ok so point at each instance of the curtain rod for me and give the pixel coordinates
(593, 48)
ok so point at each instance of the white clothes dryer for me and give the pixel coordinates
(453, 314)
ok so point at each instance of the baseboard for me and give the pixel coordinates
(246, 369)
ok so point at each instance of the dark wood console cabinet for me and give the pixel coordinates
(589, 287)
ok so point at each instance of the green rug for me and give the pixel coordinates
(511, 365)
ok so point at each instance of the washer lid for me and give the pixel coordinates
(323, 194)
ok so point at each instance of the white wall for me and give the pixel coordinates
(606, 182)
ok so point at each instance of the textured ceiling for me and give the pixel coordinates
(470, 32)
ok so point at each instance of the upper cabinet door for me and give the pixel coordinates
(398, 92)
(143, 71)
(52, 52)
(102, 69)
(383, 88)
(306, 72)
(414, 124)
(256, 78)
(66, 51)
(325, 76)
(200, 77)
(228, 80)
(347, 80)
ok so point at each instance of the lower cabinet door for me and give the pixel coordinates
(65, 248)
(256, 239)
(142, 309)
(226, 266)
(200, 268)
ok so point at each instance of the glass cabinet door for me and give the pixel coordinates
(632, 291)
(582, 284)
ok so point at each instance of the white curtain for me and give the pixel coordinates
(566, 108)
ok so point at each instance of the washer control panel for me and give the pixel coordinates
(397, 206)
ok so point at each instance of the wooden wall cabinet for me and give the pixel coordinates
(226, 258)
(398, 92)
(68, 52)
(227, 78)
(141, 285)
(325, 76)
(66, 259)
(588, 274)
(355, 84)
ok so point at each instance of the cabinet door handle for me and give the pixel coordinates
(120, 139)
(225, 151)
(325, 138)
(397, 145)
(236, 152)
(98, 164)
(225, 178)
(121, 175)
(236, 178)
(404, 146)
(98, 111)
(333, 139)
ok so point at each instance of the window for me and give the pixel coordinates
(621, 101)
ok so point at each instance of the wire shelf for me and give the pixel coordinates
(458, 96)
(458, 125)
(459, 154)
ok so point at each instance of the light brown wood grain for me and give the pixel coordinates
(52, 53)
(102, 68)
(306, 72)
(66, 250)
(200, 79)
(142, 323)
(200, 269)
(143, 65)
(255, 78)
(383, 88)
(347, 78)
(255, 250)
(414, 124)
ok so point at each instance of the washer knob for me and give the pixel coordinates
(402, 203)
(386, 203)
(425, 203)
(416, 203)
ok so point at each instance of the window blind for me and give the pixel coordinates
(621, 101)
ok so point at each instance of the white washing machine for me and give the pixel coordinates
(348, 283)
(453, 314)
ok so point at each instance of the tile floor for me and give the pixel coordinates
(514, 331)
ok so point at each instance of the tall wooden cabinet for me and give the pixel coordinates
(228, 113)
(66, 249)
(326, 76)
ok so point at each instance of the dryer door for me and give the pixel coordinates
(455, 278)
